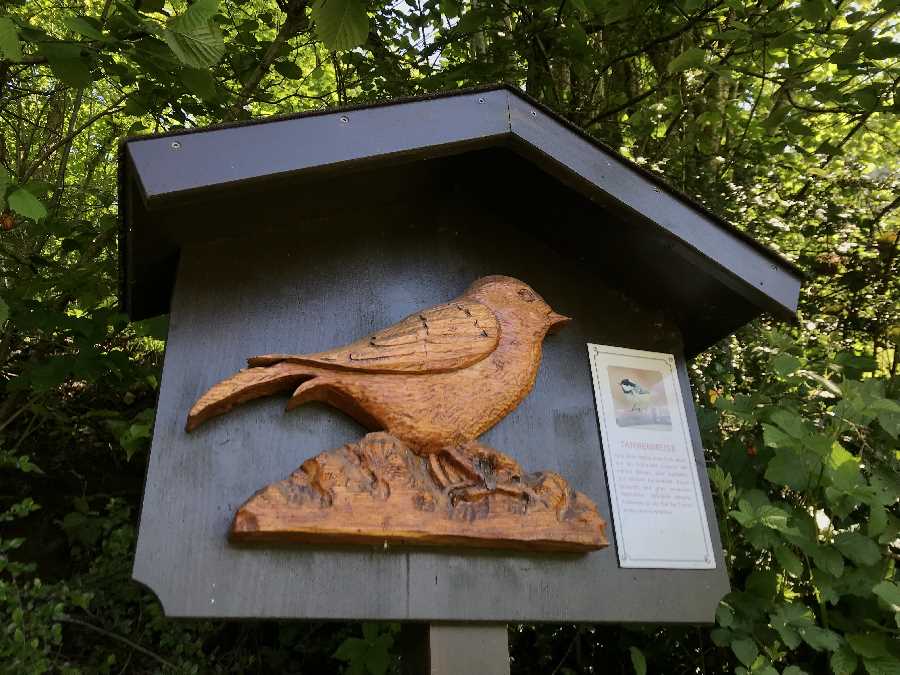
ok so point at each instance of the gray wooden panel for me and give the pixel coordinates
(222, 156)
(303, 292)
(763, 277)
(455, 649)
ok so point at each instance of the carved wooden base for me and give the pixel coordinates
(378, 491)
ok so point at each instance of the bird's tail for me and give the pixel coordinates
(247, 384)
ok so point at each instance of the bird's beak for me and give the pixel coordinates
(557, 321)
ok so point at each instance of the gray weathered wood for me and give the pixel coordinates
(293, 291)
(254, 174)
(466, 649)
(430, 127)
(736, 260)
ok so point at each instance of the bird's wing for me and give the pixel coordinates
(443, 338)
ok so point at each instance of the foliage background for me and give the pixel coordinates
(781, 116)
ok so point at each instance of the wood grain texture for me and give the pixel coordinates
(439, 377)
(379, 491)
(434, 381)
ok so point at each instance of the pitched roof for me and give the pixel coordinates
(728, 277)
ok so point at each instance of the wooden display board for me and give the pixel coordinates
(196, 481)
(302, 234)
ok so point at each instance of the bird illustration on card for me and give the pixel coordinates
(640, 398)
(426, 388)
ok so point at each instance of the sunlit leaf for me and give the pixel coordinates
(342, 24)
(10, 45)
(194, 37)
(690, 58)
(26, 204)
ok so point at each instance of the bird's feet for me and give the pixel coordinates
(472, 492)
(472, 472)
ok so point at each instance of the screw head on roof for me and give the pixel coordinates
(533, 113)
(481, 99)
(344, 119)
(176, 145)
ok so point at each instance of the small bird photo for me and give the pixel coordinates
(640, 398)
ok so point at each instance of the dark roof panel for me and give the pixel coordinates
(164, 174)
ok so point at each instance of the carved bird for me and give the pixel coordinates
(437, 380)
(638, 396)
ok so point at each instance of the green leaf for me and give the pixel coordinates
(812, 10)
(150, 6)
(794, 670)
(785, 364)
(775, 518)
(858, 548)
(787, 619)
(829, 560)
(4, 311)
(868, 645)
(746, 651)
(638, 662)
(342, 24)
(878, 520)
(886, 665)
(352, 649)
(843, 661)
(370, 631)
(789, 468)
(886, 590)
(763, 583)
(774, 437)
(26, 204)
(450, 8)
(289, 70)
(724, 615)
(790, 422)
(789, 561)
(194, 38)
(68, 64)
(820, 638)
(690, 58)
(74, 72)
(888, 412)
(843, 469)
(10, 45)
(199, 82)
(82, 26)
(471, 21)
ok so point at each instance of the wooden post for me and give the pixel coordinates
(455, 649)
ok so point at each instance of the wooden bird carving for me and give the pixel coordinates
(437, 380)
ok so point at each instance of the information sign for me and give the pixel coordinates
(654, 486)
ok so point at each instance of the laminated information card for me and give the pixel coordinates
(654, 487)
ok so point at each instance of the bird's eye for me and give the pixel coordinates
(526, 295)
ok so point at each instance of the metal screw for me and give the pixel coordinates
(344, 119)
(656, 189)
(533, 113)
(481, 99)
(176, 145)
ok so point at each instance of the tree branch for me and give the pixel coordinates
(50, 149)
(295, 21)
(120, 638)
(24, 61)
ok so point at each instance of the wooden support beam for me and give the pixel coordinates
(455, 649)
